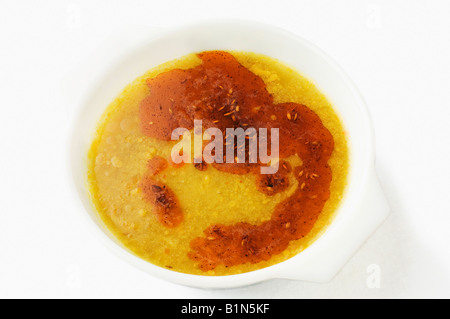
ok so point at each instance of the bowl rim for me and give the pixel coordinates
(236, 280)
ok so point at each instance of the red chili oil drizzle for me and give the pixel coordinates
(164, 201)
(224, 94)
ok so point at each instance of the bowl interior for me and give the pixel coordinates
(228, 35)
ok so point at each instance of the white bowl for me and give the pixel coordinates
(363, 207)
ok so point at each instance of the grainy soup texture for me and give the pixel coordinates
(220, 218)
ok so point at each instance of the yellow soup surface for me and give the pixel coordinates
(120, 153)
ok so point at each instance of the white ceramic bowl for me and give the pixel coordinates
(363, 207)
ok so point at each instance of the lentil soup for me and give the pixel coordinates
(219, 218)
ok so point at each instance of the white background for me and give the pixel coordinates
(396, 51)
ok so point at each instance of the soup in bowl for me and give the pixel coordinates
(219, 167)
